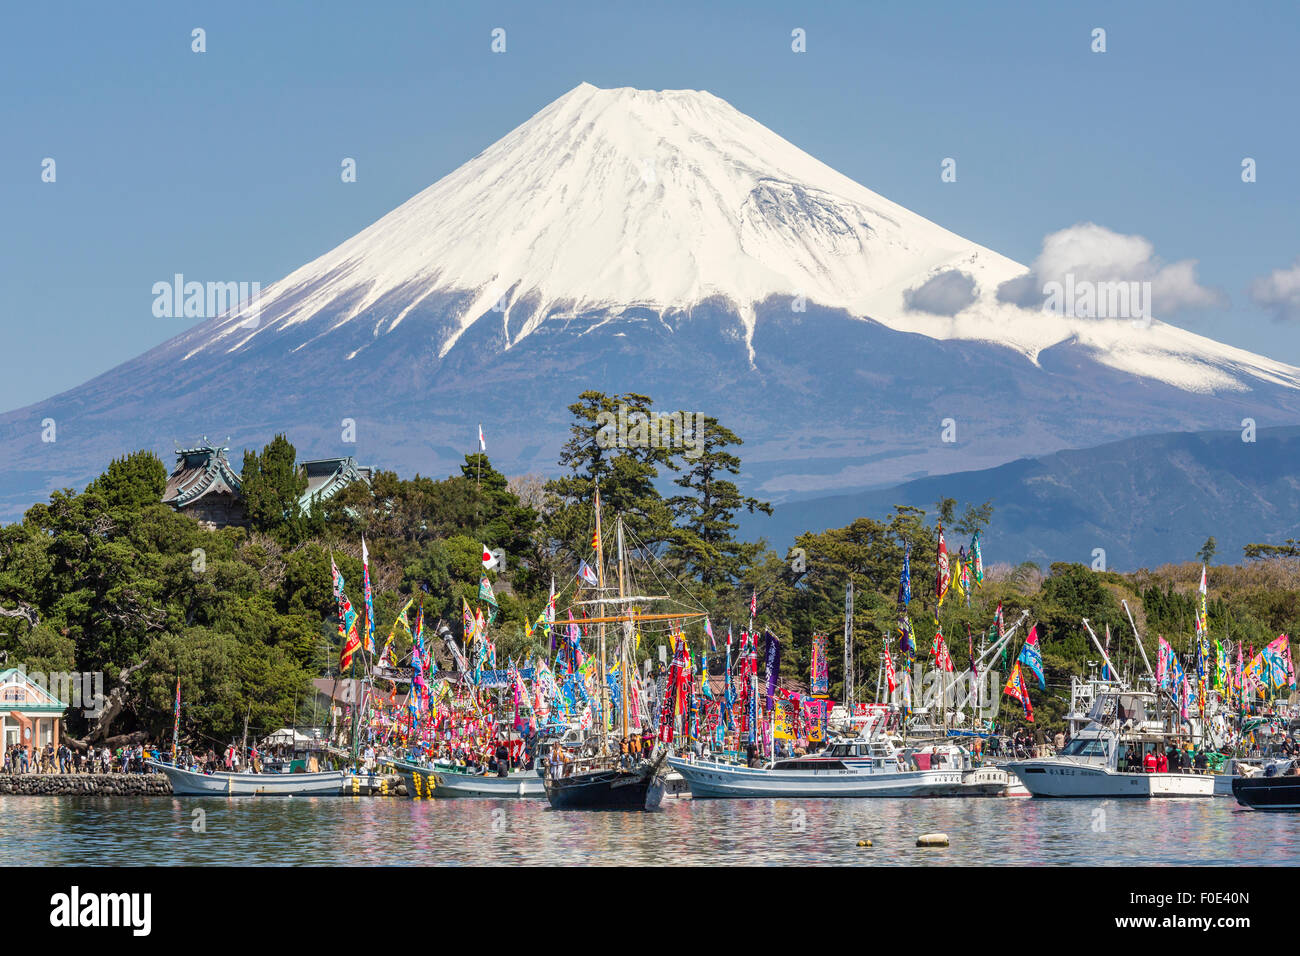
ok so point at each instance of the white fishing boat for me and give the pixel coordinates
(441, 781)
(864, 767)
(188, 783)
(1090, 765)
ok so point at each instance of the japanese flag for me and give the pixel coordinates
(490, 558)
(482, 445)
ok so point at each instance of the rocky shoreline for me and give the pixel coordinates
(97, 784)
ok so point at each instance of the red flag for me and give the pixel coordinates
(941, 579)
(1016, 688)
(889, 670)
(940, 654)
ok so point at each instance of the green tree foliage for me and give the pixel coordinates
(111, 579)
(272, 486)
(705, 542)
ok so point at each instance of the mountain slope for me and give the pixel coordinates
(1144, 501)
(660, 242)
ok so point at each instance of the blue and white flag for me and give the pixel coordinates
(1032, 657)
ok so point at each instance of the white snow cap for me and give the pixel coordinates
(622, 198)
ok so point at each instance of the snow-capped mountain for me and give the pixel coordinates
(666, 243)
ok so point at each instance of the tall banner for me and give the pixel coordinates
(941, 576)
(820, 679)
(176, 725)
(370, 604)
(772, 661)
(784, 720)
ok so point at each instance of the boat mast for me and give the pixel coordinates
(848, 652)
(627, 628)
(1141, 650)
(600, 584)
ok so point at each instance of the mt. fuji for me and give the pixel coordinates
(665, 243)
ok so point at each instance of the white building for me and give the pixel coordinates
(29, 714)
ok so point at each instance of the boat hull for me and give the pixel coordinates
(1052, 778)
(186, 783)
(1268, 794)
(716, 780)
(606, 790)
(992, 781)
(424, 782)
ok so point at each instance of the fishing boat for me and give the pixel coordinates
(1275, 790)
(603, 785)
(603, 781)
(1091, 764)
(863, 767)
(437, 780)
(188, 783)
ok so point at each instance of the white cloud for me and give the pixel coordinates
(1093, 253)
(946, 293)
(1279, 291)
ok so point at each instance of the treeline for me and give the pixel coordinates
(111, 579)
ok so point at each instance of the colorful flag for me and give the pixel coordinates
(708, 631)
(1032, 657)
(485, 592)
(370, 604)
(176, 725)
(905, 579)
(753, 604)
(399, 621)
(1016, 689)
(940, 653)
(890, 676)
(587, 575)
(349, 639)
(963, 576)
(906, 641)
(977, 559)
(941, 569)
(1202, 614)
(820, 678)
(772, 661)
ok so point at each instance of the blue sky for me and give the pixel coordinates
(225, 165)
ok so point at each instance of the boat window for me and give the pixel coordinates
(1086, 747)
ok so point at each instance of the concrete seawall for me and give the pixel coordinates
(105, 784)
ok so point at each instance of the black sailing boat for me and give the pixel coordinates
(602, 782)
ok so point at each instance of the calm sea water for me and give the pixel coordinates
(155, 831)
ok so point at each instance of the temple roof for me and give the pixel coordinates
(326, 477)
(200, 471)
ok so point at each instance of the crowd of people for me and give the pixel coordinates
(65, 759)
(1172, 760)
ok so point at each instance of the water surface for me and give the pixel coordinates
(158, 831)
